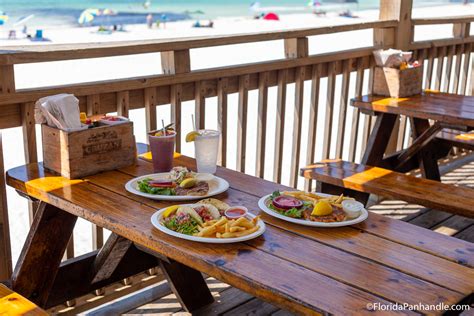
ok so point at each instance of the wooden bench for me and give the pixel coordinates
(456, 138)
(12, 303)
(394, 185)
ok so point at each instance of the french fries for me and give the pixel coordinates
(312, 197)
(225, 228)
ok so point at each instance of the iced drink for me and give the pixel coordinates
(162, 150)
(206, 149)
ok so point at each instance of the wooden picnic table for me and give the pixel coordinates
(452, 111)
(302, 269)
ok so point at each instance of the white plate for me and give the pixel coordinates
(262, 203)
(156, 221)
(216, 186)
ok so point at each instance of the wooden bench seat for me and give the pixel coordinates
(457, 138)
(12, 303)
(394, 185)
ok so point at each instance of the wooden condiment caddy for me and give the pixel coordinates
(397, 83)
(82, 153)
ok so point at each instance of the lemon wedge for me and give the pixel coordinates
(191, 136)
(188, 183)
(322, 208)
(170, 210)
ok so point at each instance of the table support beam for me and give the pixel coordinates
(180, 278)
(379, 139)
(41, 256)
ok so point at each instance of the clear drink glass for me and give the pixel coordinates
(206, 147)
(162, 151)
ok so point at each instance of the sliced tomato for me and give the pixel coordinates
(162, 184)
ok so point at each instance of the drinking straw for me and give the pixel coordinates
(194, 122)
(164, 129)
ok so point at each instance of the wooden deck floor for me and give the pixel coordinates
(231, 301)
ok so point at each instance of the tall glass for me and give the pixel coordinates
(162, 151)
(206, 148)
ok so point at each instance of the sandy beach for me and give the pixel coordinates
(68, 72)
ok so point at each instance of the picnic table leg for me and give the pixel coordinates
(187, 284)
(426, 156)
(379, 139)
(41, 255)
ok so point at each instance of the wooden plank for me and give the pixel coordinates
(44, 247)
(466, 234)
(465, 68)
(109, 257)
(180, 277)
(93, 104)
(370, 179)
(123, 103)
(297, 117)
(137, 84)
(355, 112)
(313, 119)
(228, 299)
(200, 105)
(7, 79)
(176, 91)
(12, 303)
(448, 68)
(253, 307)
(346, 76)
(5, 248)
(331, 85)
(296, 47)
(150, 109)
(242, 123)
(22, 54)
(261, 124)
(457, 68)
(29, 143)
(280, 125)
(222, 119)
(367, 127)
(439, 68)
(429, 69)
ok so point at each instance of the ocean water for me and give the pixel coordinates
(66, 12)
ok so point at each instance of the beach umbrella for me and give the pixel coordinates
(271, 16)
(89, 14)
(3, 18)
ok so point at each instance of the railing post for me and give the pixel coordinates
(401, 36)
(176, 62)
(296, 47)
(461, 30)
(7, 86)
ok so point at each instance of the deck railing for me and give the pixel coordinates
(332, 129)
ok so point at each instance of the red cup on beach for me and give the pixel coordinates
(162, 150)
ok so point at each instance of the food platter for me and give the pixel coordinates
(216, 185)
(265, 201)
(157, 219)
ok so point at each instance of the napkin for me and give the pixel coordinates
(60, 111)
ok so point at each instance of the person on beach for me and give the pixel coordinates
(149, 20)
(164, 17)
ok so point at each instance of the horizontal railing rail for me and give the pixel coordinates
(444, 20)
(56, 52)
